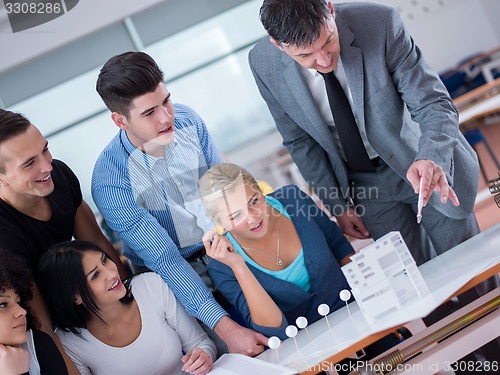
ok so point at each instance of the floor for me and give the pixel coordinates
(487, 212)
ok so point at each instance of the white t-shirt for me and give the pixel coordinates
(29, 345)
(166, 331)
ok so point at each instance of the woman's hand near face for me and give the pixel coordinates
(13, 360)
(220, 248)
(197, 362)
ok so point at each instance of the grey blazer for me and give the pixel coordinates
(386, 72)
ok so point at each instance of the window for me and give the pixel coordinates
(205, 68)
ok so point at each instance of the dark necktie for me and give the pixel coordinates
(348, 132)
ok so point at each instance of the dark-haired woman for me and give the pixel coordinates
(108, 327)
(23, 349)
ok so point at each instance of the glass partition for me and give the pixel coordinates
(205, 68)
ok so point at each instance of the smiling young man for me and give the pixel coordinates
(40, 198)
(40, 201)
(145, 185)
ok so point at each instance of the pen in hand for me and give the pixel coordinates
(420, 203)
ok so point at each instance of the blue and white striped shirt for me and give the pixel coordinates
(153, 204)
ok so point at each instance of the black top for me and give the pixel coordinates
(49, 358)
(31, 237)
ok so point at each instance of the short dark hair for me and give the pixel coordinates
(16, 274)
(126, 76)
(62, 278)
(11, 125)
(294, 22)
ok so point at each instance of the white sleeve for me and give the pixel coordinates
(189, 331)
(67, 340)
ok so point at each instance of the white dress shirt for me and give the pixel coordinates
(316, 84)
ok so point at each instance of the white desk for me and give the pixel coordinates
(452, 272)
(480, 109)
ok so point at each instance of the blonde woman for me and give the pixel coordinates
(279, 256)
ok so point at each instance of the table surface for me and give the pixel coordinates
(480, 102)
(480, 109)
(345, 331)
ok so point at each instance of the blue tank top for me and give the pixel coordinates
(295, 273)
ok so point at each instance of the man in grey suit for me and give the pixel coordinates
(407, 122)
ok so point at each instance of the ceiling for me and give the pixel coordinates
(84, 38)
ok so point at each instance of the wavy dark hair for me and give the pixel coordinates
(16, 274)
(62, 278)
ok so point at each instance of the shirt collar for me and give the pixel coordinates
(140, 156)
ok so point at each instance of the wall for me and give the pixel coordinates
(86, 36)
(460, 28)
(446, 31)
(492, 10)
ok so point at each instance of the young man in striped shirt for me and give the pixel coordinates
(145, 185)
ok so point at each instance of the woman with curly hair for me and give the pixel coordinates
(23, 348)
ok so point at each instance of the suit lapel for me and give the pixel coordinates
(300, 108)
(352, 61)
